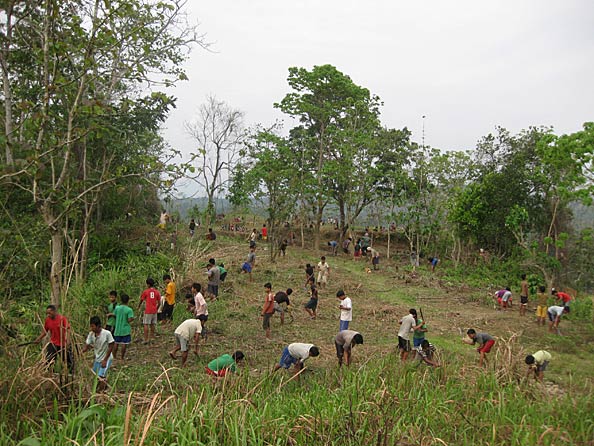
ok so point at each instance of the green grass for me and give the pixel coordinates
(378, 401)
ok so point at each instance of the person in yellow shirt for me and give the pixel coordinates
(541, 305)
(169, 303)
(537, 364)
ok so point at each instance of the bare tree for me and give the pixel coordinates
(219, 134)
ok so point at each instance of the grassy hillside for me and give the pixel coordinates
(377, 400)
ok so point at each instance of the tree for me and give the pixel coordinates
(268, 175)
(336, 117)
(219, 132)
(70, 70)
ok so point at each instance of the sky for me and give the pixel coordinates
(467, 65)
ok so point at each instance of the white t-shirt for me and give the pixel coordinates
(100, 343)
(323, 268)
(188, 328)
(407, 323)
(198, 302)
(300, 351)
(346, 315)
(556, 310)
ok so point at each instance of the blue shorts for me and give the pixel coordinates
(122, 339)
(247, 267)
(344, 325)
(417, 341)
(287, 360)
(101, 371)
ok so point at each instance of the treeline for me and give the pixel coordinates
(511, 195)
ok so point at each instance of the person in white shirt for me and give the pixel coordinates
(102, 343)
(323, 272)
(296, 354)
(406, 326)
(346, 310)
(184, 333)
(555, 312)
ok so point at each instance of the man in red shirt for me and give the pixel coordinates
(152, 298)
(59, 330)
(566, 298)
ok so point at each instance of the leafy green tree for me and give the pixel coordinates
(70, 68)
(336, 120)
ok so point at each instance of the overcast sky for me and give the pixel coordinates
(467, 65)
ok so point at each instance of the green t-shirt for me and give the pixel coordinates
(222, 362)
(122, 326)
(110, 309)
(418, 334)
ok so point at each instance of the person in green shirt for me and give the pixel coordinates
(537, 364)
(420, 329)
(123, 315)
(220, 366)
(113, 297)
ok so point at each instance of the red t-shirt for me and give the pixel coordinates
(264, 232)
(57, 329)
(152, 298)
(563, 296)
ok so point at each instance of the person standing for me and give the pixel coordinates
(264, 232)
(249, 264)
(485, 342)
(267, 309)
(419, 331)
(357, 250)
(346, 310)
(58, 328)
(113, 303)
(122, 334)
(309, 274)
(344, 342)
(541, 305)
(406, 325)
(151, 299)
(312, 304)
(323, 272)
(192, 227)
(375, 257)
(200, 306)
(346, 243)
(523, 295)
(102, 342)
(170, 290)
(214, 279)
(537, 364)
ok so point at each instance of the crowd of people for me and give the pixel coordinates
(113, 338)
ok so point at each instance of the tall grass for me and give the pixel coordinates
(379, 403)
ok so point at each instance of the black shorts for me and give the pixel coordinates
(375, 261)
(167, 311)
(213, 289)
(403, 344)
(551, 316)
(266, 321)
(312, 304)
(542, 367)
(340, 350)
(524, 300)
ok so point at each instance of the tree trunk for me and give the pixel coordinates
(57, 243)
